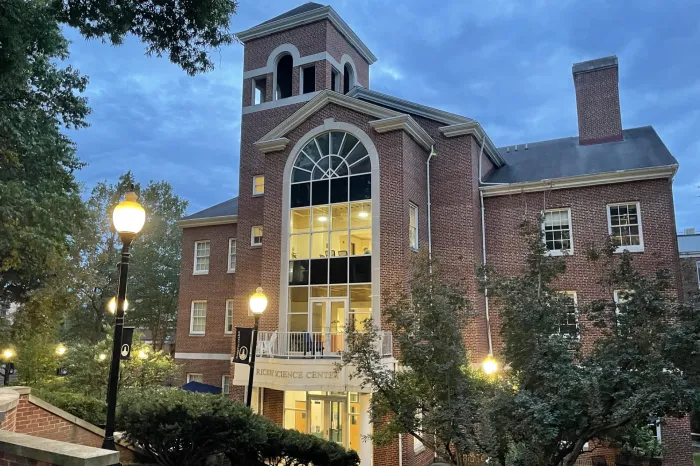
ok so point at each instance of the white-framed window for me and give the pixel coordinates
(195, 378)
(620, 297)
(625, 226)
(413, 226)
(256, 235)
(225, 384)
(231, 255)
(202, 250)
(569, 325)
(556, 227)
(198, 318)
(655, 427)
(417, 444)
(308, 79)
(259, 90)
(228, 329)
(258, 185)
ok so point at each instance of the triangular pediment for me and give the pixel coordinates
(275, 140)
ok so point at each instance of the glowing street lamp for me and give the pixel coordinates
(102, 356)
(8, 355)
(258, 304)
(143, 354)
(128, 219)
(61, 350)
(112, 305)
(490, 365)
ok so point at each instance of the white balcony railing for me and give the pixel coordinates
(313, 345)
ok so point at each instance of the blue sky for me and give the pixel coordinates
(506, 63)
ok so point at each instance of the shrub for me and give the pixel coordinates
(85, 407)
(182, 428)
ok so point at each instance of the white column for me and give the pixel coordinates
(365, 429)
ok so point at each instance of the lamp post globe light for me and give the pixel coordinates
(128, 219)
(258, 304)
(490, 365)
(7, 355)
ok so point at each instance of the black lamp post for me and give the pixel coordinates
(128, 219)
(258, 303)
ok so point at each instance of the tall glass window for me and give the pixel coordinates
(330, 236)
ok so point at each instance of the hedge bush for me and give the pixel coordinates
(180, 428)
(85, 407)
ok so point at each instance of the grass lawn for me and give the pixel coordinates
(697, 459)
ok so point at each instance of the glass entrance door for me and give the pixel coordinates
(327, 418)
(327, 324)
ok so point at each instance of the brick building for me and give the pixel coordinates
(338, 190)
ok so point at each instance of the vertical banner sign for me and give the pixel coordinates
(244, 340)
(127, 340)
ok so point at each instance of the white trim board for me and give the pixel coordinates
(623, 176)
(308, 17)
(389, 120)
(204, 356)
(207, 221)
(296, 59)
(295, 99)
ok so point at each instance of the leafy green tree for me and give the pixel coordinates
(40, 205)
(434, 395)
(557, 395)
(88, 371)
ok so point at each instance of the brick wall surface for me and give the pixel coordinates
(215, 287)
(506, 249)
(598, 105)
(9, 421)
(38, 422)
(337, 46)
(273, 405)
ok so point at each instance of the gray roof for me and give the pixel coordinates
(223, 209)
(561, 158)
(293, 12)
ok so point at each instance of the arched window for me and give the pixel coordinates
(330, 242)
(348, 78)
(283, 86)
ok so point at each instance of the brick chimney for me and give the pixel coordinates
(598, 101)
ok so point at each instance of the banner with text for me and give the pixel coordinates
(244, 342)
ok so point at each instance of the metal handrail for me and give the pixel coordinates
(314, 345)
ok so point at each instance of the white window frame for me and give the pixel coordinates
(417, 444)
(255, 88)
(232, 254)
(194, 267)
(631, 248)
(192, 331)
(252, 236)
(229, 317)
(301, 77)
(413, 229)
(225, 384)
(191, 375)
(559, 252)
(616, 299)
(573, 295)
(255, 185)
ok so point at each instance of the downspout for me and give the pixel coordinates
(400, 449)
(430, 229)
(483, 245)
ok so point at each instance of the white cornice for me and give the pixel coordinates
(405, 123)
(317, 14)
(207, 221)
(473, 128)
(407, 106)
(622, 176)
(324, 98)
(273, 145)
